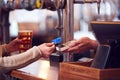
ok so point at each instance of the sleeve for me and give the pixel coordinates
(20, 60)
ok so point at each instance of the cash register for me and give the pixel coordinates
(108, 52)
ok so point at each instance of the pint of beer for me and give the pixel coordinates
(26, 37)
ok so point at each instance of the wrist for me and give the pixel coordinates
(94, 44)
(43, 54)
(39, 51)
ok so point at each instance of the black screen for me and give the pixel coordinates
(105, 31)
(108, 36)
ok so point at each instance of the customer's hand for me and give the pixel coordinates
(82, 45)
(46, 49)
(13, 45)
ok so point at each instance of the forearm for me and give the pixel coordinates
(20, 60)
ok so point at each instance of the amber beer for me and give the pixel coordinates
(26, 37)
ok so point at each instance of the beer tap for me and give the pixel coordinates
(41, 4)
(20, 4)
(98, 6)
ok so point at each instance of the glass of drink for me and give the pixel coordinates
(26, 37)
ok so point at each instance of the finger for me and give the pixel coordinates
(51, 49)
(17, 40)
(49, 44)
(79, 49)
(74, 43)
(72, 49)
(76, 47)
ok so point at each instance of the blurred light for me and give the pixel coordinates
(44, 69)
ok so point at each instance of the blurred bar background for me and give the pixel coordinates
(43, 22)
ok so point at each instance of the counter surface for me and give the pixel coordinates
(36, 71)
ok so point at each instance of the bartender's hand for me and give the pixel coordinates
(46, 49)
(82, 45)
(13, 45)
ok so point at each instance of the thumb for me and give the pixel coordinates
(50, 44)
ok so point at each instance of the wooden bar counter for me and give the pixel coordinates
(83, 71)
(35, 71)
(23, 75)
(71, 71)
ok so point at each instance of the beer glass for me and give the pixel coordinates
(26, 37)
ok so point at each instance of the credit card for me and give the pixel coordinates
(57, 40)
